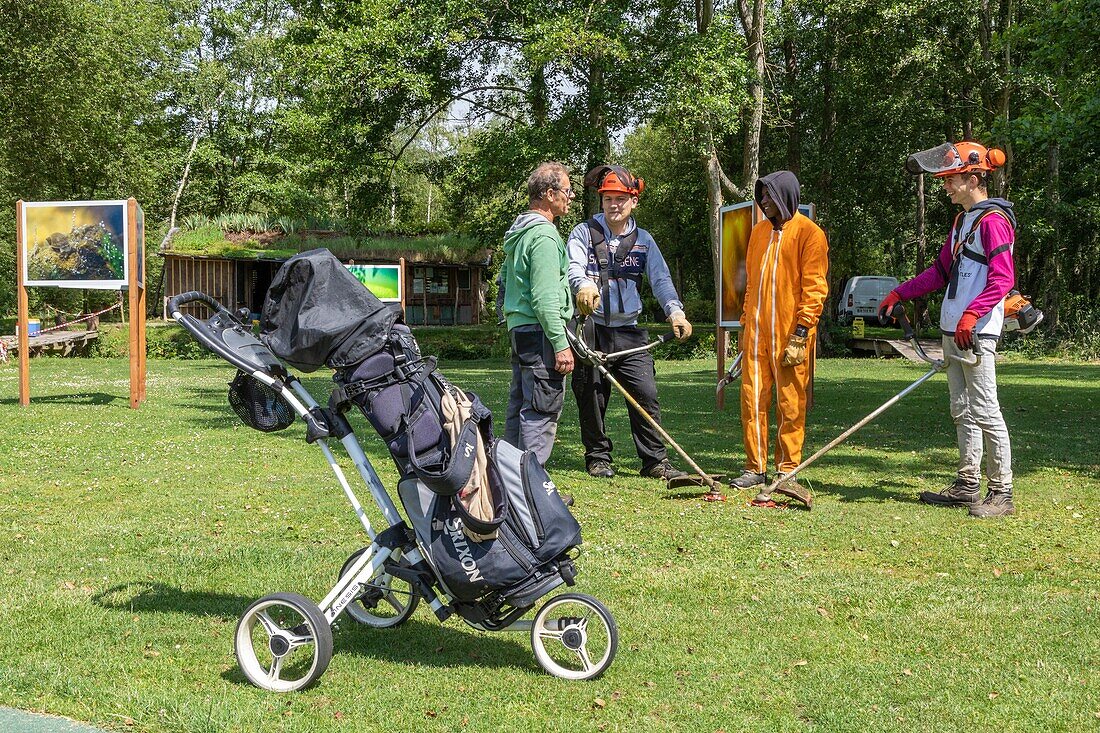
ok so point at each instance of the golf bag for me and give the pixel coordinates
(487, 514)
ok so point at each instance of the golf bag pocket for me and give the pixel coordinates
(468, 569)
(536, 513)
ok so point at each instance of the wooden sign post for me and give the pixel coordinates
(24, 315)
(135, 240)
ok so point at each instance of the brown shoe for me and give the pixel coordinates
(958, 494)
(995, 504)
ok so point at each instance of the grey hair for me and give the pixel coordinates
(545, 177)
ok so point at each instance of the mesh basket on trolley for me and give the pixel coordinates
(258, 405)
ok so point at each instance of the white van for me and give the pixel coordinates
(861, 297)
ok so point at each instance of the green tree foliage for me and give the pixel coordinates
(420, 116)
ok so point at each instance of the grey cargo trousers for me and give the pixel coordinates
(979, 424)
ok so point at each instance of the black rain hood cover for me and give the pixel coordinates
(783, 188)
(317, 314)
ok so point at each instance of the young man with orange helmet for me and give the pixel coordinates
(608, 255)
(786, 267)
(975, 264)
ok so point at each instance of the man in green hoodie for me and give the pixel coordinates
(537, 305)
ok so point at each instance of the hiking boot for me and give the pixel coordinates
(600, 469)
(792, 489)
(958, 494)
(566, 499)
(748, 479)
(995, 504)
(663, 470)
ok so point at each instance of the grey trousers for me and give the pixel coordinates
(979, 424)
(536, 395)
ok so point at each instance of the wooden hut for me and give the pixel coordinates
(442, 285)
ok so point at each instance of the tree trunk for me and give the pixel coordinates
(599, 147)
(1053, 263)
(714, 213)
(754, 36)
(794, 133)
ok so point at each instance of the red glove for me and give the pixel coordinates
(964, 332)
(892, 298)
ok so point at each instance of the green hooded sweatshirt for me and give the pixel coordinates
(536, 286)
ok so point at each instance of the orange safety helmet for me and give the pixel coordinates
(614, 179)
(951, 158)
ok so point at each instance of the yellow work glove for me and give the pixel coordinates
(588, 300)
(681, 328)
(795, 353)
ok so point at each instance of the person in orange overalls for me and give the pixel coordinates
(786, 264)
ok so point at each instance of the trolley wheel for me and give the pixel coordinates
(283, 642)
(574, 637)
(385, 602)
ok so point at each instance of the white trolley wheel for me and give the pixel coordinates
(386, 602)
(574, 637)
(283, 642)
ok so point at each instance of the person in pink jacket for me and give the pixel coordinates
(976, 267)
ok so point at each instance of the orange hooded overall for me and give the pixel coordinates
(787, 261)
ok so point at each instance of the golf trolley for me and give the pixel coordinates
(283, 641)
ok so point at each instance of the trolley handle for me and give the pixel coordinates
(178, 301)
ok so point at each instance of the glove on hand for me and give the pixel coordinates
(964, 332)
(795, 353)
(892, 298)
(681, 328)
(588, 300)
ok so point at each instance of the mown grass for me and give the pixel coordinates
(134, 539)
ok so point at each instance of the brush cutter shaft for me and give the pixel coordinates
(711, 483)
(850, 431)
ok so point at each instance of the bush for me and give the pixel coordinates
(163, 341)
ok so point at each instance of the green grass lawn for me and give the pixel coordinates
(132, 540)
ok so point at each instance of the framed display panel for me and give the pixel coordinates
(385, 281)
(75, 244)
(736, 225)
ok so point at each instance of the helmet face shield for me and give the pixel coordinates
(948, 159)
(939, 161)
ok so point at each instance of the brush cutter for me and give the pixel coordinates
(599, 360)
(732, 374)
(781, 484)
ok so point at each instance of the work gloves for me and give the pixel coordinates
(892, 298)
(964, 332)
(588, 300)
(795, 353)
(681, 329)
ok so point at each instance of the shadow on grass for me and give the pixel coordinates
(88, 398)
(416, 641)
(430, 643)
(147, 597)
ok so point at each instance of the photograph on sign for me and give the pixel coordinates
(736, 225)
(382, 280)
(75, 244)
